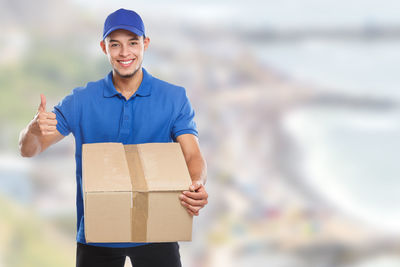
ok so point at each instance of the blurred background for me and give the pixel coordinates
(297, 105)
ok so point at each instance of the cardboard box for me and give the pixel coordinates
(131, 193)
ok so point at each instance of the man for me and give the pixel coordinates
(128, 106)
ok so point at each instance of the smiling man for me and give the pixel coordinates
(129, 106)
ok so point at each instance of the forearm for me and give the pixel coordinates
(196, 198)
(29, 143)
(197, 168)
(194, 160)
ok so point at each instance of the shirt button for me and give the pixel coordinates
(126, 117)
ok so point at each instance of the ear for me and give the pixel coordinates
(103, 47)
(146, 42)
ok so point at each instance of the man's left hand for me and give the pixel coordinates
(195, 199)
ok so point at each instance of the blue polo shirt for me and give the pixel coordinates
(157, 112)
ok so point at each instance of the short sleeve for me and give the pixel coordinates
(65, 114)
(184, 122)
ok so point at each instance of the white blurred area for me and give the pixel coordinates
(297, 105)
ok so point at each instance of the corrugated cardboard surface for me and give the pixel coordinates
(105, 167)
(131, 193)
(109, 216)
(164, 168)
(166, 221)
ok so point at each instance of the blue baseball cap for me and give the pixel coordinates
(123, 19)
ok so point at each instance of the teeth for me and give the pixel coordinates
(126, 62)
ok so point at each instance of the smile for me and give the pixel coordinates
(125, 63)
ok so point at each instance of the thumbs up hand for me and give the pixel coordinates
(44, 122)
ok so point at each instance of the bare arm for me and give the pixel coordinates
(197, 197)
(40, 133)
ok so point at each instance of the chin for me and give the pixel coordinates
(126, 75)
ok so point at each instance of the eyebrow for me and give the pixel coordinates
(133, 38)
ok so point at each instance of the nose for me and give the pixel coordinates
(124, 52)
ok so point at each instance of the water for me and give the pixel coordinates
(350, 154)
(351, 157)
(353, 68)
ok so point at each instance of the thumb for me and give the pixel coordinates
(42, 106)
(195, 186)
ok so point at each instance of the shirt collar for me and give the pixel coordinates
(143, 90)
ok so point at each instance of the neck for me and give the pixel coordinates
(127, 86)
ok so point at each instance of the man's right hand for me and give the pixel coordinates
(40, 133)
(44, 122)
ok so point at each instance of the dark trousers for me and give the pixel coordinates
(151, 255)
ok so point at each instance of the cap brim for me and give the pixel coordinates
(124, 27)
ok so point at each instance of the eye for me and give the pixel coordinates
(114, 45)
(133, 43)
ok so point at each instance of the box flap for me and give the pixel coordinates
(104, 168)
(164, 166)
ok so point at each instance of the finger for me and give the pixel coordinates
(47, 116)
(42, 106)
(51, 122)
(195, 186)
(190, 207)
(51, 115)
(191, 213)
(193, 202)
(196, 195)
(51, 128)
(48, 132)
(44, 121)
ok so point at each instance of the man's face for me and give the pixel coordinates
(125, 50)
